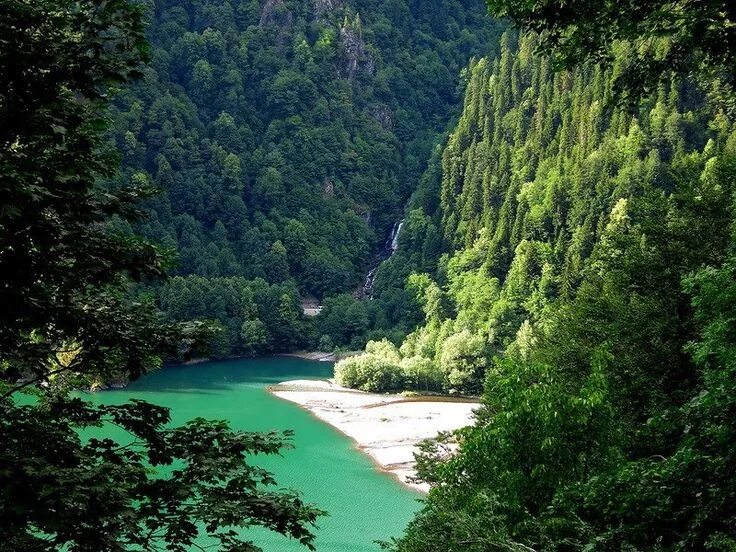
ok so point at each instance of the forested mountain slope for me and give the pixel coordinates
(288, 135)
(548, 192)
(588, 296)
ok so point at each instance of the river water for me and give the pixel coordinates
(364, 504)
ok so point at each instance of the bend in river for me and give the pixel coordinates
(364, 504)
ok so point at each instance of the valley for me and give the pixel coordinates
(355, 275)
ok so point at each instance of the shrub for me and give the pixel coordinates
(421, 374)
(383, 349)
(369, 372)
(346, 372)
(326, 344)
(463, 360)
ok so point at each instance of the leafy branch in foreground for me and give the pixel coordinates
(69, 317)
(162, 490)
(664, 36)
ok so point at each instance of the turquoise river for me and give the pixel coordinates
(364, 505)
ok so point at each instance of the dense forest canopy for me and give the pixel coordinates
(666, 36)
(588, 296)
(287, 136)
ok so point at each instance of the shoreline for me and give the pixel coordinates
(318, 356)
(388, 428)
(321, 356)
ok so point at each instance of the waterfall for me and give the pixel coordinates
(367, 291)
(389, 248)
(395, 236)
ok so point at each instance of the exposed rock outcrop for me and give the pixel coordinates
(328, 188)
(383, 114)
(275, 12)
(322, 7)
(355, 56)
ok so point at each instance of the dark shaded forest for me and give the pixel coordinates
(286, 138)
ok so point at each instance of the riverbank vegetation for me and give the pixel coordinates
(253, 317)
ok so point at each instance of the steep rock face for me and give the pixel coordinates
(355, 56)
(322, 7)
(275, 13)
(382, 114)
(328, 188)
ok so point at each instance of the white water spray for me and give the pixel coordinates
(389, 248)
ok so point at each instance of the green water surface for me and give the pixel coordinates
(364, 504)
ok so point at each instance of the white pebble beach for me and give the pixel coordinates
(386, 427)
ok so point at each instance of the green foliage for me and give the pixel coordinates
(457, 367)
(659, 36)
(254, 317)
(293, 122)
(105, 495)
(344, 320)
(378, 370)
(422, 374)
(590, 288)
(69, 318)
(462, 359)
(61, 270)
(254, 336)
